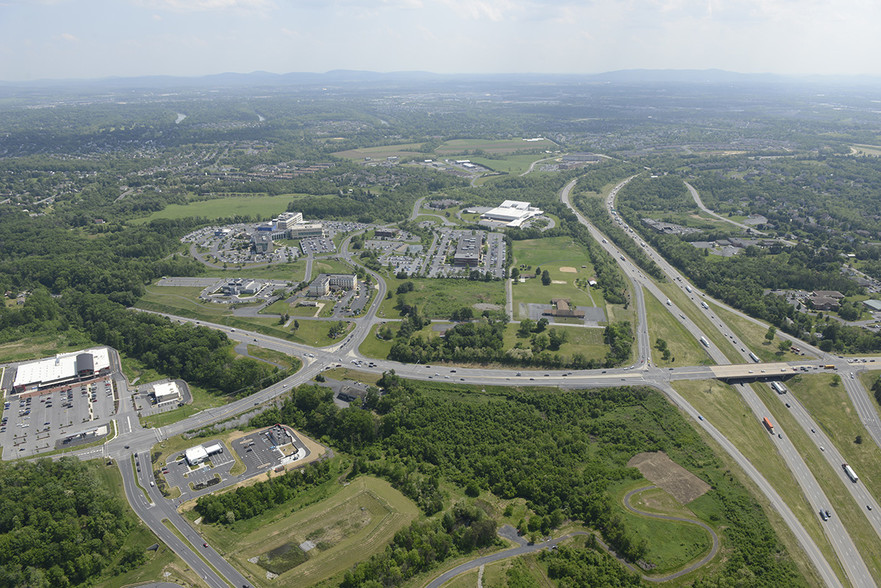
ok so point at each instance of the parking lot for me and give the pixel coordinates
(146, 405)
(316, 245)
(57, 418)
(270, 448)
(196, 481)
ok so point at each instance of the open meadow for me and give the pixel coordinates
(349, 525)
(262, 206)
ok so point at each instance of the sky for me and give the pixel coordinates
(85, 39)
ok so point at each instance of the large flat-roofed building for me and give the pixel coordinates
(301, 230)
(324, 284)
(63, 368)
(468, 249)
(511, 213)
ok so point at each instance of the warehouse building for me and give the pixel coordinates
(510, 213)
(61, 369)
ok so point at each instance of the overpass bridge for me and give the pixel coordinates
(765, 371)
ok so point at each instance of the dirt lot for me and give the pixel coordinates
(568, 270)
(672, 477)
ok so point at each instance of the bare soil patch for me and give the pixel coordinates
(672, 477)
(568, 270)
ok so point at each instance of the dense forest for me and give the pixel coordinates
(60, 525)
(560, 452)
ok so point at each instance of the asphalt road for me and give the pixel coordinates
(687, 570)
(132, 438)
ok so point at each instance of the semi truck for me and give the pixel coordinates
(778, 388)
(704, 304)
(768, 425)
(754, 357)
(850, 473)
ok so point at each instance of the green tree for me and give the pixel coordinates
(545, 278)
(769, 335)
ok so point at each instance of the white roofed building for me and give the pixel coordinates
(63, 368)
(166, 391)
(511, 213)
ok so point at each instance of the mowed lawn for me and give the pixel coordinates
(583, 340)
(511, 164)
(722, 406)
(263, 206)
(349, 526)
(183, 301)
(438, 298)
(684, 348)
(553, 254)
(833, 411)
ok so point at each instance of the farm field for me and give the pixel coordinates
(383, 151)
(510, 164)
(684, 349)
(263, 206)
(438, 298)
(494, 146)
(39, 346)
(345, 528)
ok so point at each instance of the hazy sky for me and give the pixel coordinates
(100, 38)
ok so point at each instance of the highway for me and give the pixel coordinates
(133, 439)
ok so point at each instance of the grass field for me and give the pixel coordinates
(671, 544)
(173, 301)
(831, 408)
(349, 525)
(721, 405)
(262, 206)
(689, 309)
(330, 266)
(587, 341)
(438, 298)
(552, 254)
(873, 150)
(684, 349)
(377, 348)
(277, 357)
(511, 164)
(201, 401)
(494, 146)
(842, 503)
(39, 346)
(753, 335)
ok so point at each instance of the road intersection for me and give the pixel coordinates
(133, 440)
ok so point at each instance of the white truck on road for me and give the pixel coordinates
(850, 473)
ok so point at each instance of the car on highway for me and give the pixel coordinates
(204, 545)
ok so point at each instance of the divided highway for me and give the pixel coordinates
(153, 509)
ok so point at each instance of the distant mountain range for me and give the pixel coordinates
(356, 77)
